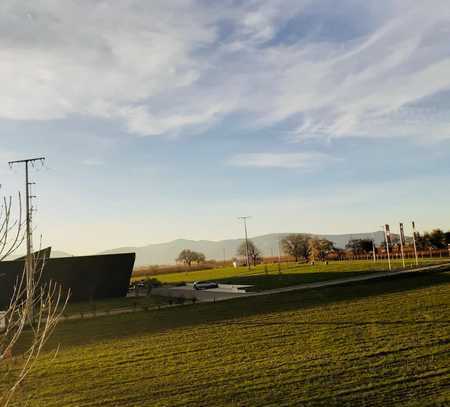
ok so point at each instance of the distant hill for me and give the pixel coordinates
(166, 253)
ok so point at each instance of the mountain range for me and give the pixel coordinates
(166, 253)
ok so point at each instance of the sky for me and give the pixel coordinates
(162, 120)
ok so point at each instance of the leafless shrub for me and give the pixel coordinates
(34, 309)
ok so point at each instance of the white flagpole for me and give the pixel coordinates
(387, 235)
(402, 237)
(414, 243)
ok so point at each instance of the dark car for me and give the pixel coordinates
(205, 285)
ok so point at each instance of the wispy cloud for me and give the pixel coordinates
(304, 160)
(93, 162)
(170, 67)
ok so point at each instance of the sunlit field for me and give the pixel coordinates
(262, 278)
(270, 276)
(385, 342)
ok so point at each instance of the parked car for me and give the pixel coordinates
(205, 285)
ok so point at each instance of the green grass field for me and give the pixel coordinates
(110, 304)
(291, 274)
(382, 343)
(268, 277)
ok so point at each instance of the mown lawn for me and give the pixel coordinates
(382, 343)
(269, 277)
(260, 277)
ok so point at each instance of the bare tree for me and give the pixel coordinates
(325, 247)
(296, 245)
(188, 257)
(35, 307)
(313, 249)
(254, 253)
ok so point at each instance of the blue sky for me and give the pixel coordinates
(162, 120)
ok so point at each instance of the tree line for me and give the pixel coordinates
(436, 239)
(307, 247)
(297, 245)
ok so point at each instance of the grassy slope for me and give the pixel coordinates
(113, 304)
(378, 343)
(291, 274)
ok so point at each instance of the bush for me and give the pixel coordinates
(157, 270)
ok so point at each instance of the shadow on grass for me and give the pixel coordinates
(272, 280)
(341, 323)
(73, 333)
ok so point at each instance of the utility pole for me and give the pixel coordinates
(29, 266)
(244, 219)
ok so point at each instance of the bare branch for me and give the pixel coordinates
(35, 308)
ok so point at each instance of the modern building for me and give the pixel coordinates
(87, 277)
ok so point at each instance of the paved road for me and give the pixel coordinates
(342, 281)
(215, 298)
(336, 282)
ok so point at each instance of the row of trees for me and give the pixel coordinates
(307, 247)
(437, 239)
(188, 257)
(301, 246)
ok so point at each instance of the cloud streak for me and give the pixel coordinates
(170, 68)
(305, 160)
